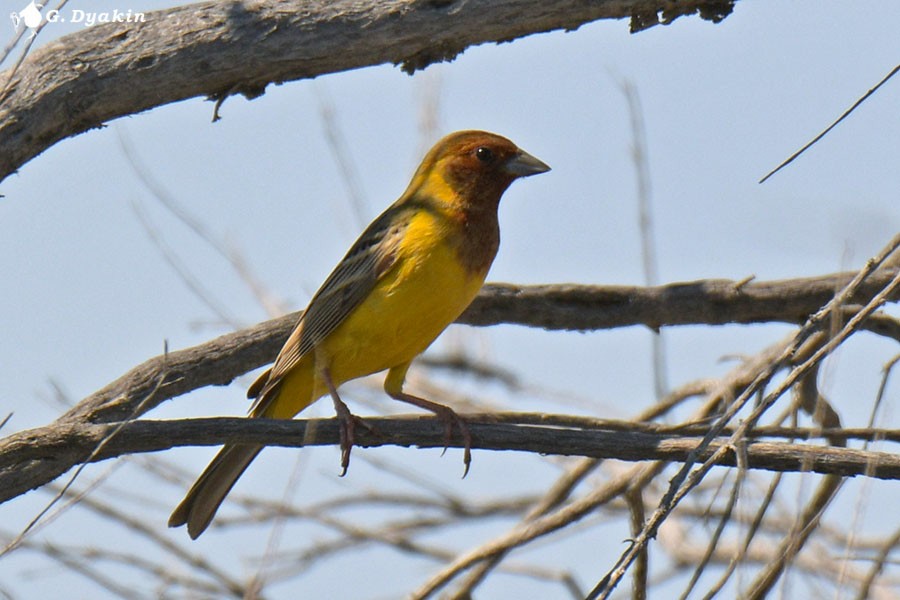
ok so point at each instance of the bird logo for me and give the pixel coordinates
(30, 16)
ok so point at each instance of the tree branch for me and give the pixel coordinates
(68, 443)
(218, 49)
(571, 307)
(552, 307)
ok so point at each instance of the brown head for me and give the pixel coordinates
(472, 169)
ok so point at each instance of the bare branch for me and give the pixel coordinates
(554, 307)
(635, 500)
(526, 531)
(219, 361)
(32, 458)
(878, 564)
(645, 227)
(686, 479)
(218, 49)
(806, 524)
(846, 114)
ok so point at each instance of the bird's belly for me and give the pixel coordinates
(405, 312)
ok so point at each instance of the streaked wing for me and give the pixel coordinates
(370, 257)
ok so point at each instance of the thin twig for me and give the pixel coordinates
(645, 223)
(533, 529)
(833, 125)
(95, 452)
(794, 541)
(724, 520)
(340, 152)
(738, 557)
(189, 279)
(878, 564)
(635, 500)
(686, 479)
(140, 526)
(270, 303)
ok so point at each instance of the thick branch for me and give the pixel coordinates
(72, 443)
(219, 361)
(702, 302)
(553, 307)
(216, 49)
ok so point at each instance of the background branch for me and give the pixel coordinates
(219, 361)
(553, 307)
(218, 49)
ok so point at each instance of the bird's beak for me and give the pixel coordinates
(523, 164)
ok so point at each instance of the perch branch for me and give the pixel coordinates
(69, 443)
(219, 361)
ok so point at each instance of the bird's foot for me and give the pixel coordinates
(449, 418)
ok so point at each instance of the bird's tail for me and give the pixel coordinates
(203, 499)
(280, 399)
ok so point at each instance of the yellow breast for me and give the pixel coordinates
(426, 289)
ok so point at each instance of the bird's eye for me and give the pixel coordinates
(484, 154)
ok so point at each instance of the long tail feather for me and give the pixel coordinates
(203, 499)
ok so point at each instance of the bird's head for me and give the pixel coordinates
(473, 169)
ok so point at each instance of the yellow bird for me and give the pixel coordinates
(410, 274)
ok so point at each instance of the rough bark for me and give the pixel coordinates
(31, 458)
(38, 456)
(217, 49)
(552, 307)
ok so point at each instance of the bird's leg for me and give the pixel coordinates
(393, 385)
(346, 422)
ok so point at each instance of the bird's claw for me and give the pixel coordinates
(450, 418)
(347, 423)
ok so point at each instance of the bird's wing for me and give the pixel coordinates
(370, 257)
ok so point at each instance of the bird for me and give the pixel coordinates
(410, 274)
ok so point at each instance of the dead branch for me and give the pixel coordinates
(37, 458)
(553, 307)
(686, 479)
(219, 49)
(531, 529)
(560, 492)
(32, 458)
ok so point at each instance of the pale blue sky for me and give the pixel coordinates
(88, 296)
